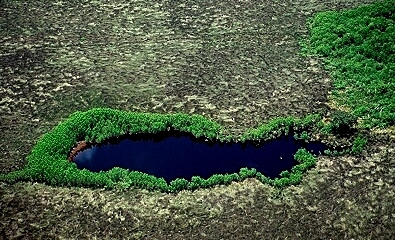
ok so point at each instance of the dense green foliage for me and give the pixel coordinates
(48, 160)
(358, 144)
(358, 47)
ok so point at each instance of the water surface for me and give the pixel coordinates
(180, 155)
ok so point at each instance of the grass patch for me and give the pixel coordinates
(358, 47)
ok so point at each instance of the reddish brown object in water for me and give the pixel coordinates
(82, 145)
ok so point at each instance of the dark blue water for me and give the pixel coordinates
(180, 155)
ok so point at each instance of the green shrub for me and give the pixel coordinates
(358, 144)
(216, 179)
(228, 178)
(117, 174)
(178, 184)
(196, 182)
(247, 173)
(281, 182)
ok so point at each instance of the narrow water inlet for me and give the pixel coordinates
(180, 155)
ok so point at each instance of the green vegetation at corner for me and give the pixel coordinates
(358, 47)
(48, 160)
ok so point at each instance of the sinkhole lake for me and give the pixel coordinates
(180, 155)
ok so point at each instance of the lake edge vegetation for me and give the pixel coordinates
(48, 160)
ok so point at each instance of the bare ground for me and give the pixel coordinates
(235, 62)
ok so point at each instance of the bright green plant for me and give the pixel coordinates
(228, 178)
(197, 182)
(358, 47)
(178, 185)
(246, 173)
(358, 144)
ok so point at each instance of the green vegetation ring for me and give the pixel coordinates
(48, 160)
